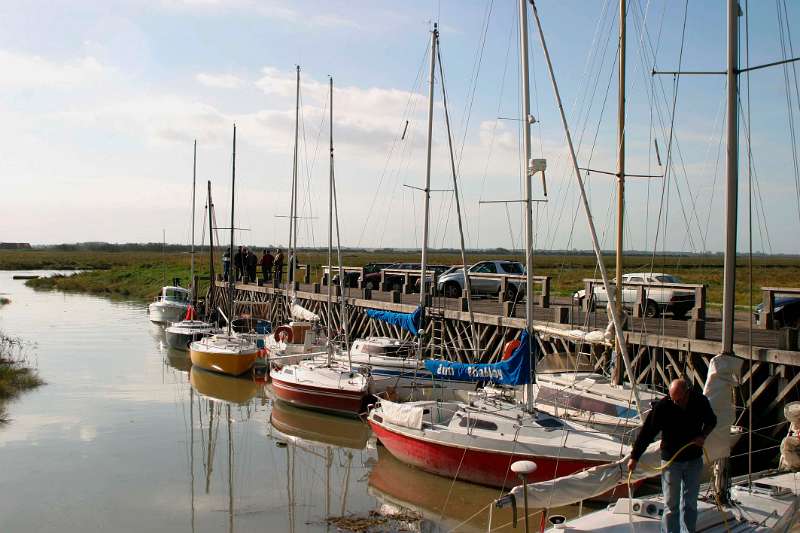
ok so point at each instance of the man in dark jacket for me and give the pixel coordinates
(278, 265)
(252, 265)
(238, 264)
(684, 419)
(266, 265)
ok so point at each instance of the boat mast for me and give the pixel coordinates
(194, 182)
(342, 301)
(293, 208)
(617, 370)
(722, 477)
(232, 280)
(423, 284)
(585, 202)
(210, 306)
(330, 232)
(528, 203)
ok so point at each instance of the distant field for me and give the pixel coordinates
(140, 275)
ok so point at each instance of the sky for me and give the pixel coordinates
(101, 101)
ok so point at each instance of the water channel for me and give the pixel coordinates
(125, 437)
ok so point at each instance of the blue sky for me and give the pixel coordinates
(101, 101)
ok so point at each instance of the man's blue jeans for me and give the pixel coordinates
(681, 486)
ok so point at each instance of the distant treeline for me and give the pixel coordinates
(158, 247)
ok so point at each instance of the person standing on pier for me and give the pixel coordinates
(252, 265)
(684, 419)
(278, 266)
(266, 265)
(226, 265)
(237, 263)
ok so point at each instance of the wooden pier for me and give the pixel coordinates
(661, 349)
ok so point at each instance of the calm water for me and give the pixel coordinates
(124, 437)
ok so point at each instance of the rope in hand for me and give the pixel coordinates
(664, 466)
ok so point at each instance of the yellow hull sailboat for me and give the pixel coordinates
(226, 354)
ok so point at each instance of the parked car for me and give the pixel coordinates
(658, 300)
(352, 278)
(451, 284)
(785, 314)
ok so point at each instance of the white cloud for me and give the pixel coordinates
(219, 81)
(27, 71)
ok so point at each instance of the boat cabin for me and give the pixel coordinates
(175, 294)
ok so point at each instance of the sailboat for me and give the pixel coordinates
(769, 501)
(181, 334)
(226, 353)
(478, 440)
(324, 384)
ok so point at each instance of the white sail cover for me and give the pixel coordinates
(589, 483)
(405, 415)
(301, 313)
(722, 375)
(790, 446)
(577, 335)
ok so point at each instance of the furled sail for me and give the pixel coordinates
(408, 321)
(516, 370)
(301, 313)
(723, 373)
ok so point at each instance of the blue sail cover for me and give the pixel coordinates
(408, 321)
(516, 370)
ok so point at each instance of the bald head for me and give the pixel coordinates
(679, 392)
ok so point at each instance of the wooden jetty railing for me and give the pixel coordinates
(660, 349)
(698, 311)
(767, 319)
(409, 278)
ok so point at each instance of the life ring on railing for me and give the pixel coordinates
(283, 334)
(508, 349)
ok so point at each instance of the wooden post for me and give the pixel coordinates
(639, 304)
(317, 288)
(767, 318)
(396, 299)
(588, 295)
(408, 288)
(508, 309)
(696, 329)
(544, 298)
(562, 314)
(383, 286)
(699, 309)
(501, 296)
(367, 294)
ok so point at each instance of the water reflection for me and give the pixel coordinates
(178, 359)
(127, 437)
(318, 428)
(228, 389)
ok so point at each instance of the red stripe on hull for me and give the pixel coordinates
(478, 466)
(337, 401)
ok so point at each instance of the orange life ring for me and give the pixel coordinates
(509, 348)
(283, 332)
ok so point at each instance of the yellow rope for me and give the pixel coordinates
(666, 465)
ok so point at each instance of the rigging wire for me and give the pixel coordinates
(789, 106)
(494, 133)
(408, 111)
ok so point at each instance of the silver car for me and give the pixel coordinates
(451, 283)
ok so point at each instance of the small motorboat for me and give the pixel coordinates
(181, 334)
(227, 354)
(170, 306)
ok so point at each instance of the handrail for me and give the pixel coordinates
(699, 290)
(767, 318)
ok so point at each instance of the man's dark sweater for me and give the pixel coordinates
(677, 426)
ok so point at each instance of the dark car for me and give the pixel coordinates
(785, 314)
(352, 278)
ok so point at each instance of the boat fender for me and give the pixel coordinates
(283, 334)
(508, 349)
